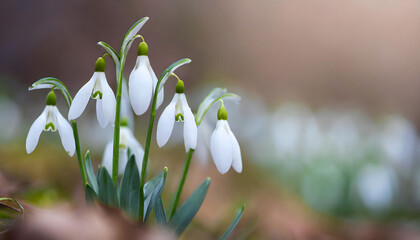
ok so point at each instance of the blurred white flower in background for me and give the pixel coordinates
(376, 186)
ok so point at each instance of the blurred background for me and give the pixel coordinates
(328, 122)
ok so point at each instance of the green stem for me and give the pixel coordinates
(182, 181)
(146, 151)
(116, 149)
(79, 152)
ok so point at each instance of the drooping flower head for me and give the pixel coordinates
(224, 147)
(142, 82)
(127, 141)
(51, 120)
(178, 110)
(97, 88)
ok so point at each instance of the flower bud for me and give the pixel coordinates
(51, 99)
(100, 65)
(179, 87)
(222, 113)
(143, 49)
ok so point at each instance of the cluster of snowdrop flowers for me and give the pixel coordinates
(124, 156)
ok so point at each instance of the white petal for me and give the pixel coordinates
(35, 131)
(155, 80)
(122, 161)
(190, 128)
(103, 121)
(81, 99)
(140, 89)
(160, 98)
(201, 151)
(166, 123)
(138, 152)
(236, 152)
(107, 157)
(108, 99)
(221, 147)
(66, 133)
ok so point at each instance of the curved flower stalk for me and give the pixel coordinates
(51, 120)
(178, 110)
(127, 141)
(224, 147)
(142, 82)
(97, 88)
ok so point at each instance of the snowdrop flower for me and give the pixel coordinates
(51, 120)
(177, 110)
(127, 140)
(142, 82)
(97, 88)
(224, 147)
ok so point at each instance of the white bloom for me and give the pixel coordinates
(224, 147)
(177, 110)
(51, 120)
(142, 82)
(127, 140)
(97, 88)
(203, 142)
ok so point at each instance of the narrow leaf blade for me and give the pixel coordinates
(168, 71)
(107, 192)
(160, 212)
(235, 221)
(50, 82)
(130, 189)
(156, 192)
(214, 96)
(131, 33)
(90, 194)
(184, 215)
(90, 173)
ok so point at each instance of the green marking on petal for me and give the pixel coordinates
(179, 117)
(122, 146)
(96, 94)
(49, 126)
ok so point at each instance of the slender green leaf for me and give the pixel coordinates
(107, 191)
(131, 33)
(90, 194)
(160, 211)
(168, 71)
(184, 215)
(22, 210)
(214, 96)
(154, 194)
(114, 55)
(9, 213)
(235, 221)
(130, 189)
(50, 82)
(151, 184)
(90, 173)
